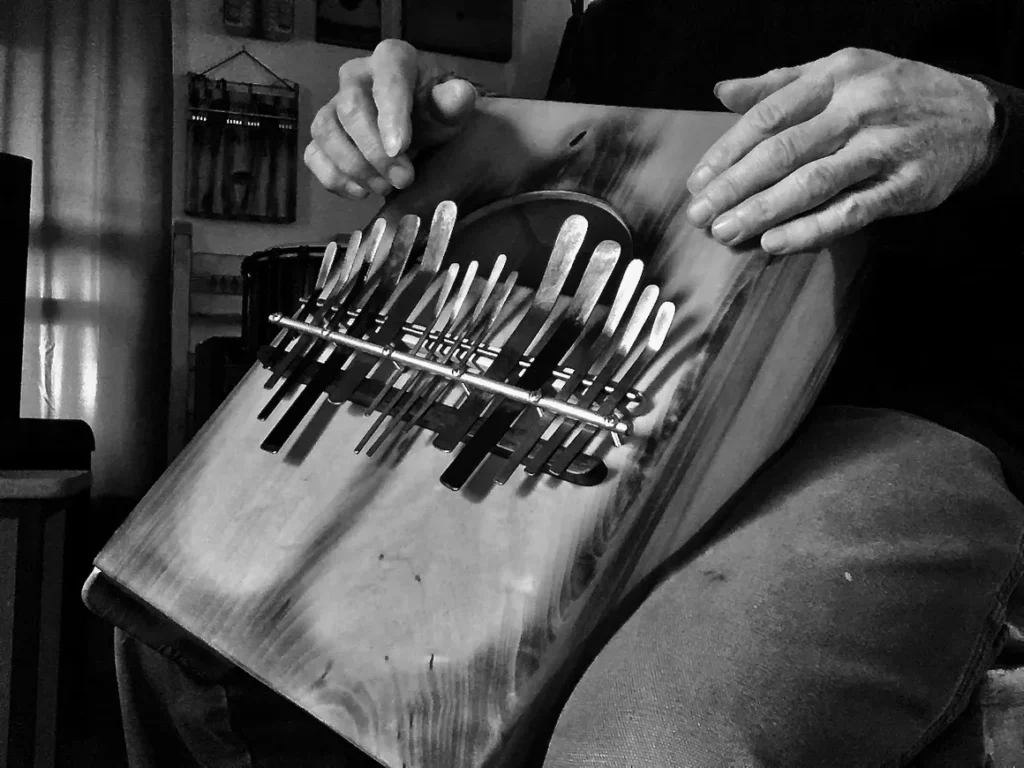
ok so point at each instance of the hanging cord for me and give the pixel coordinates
(285, 83)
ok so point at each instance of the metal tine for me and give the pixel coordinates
(477, 334)
(326, 262)
(607, 367)
(462, 329)
(659, 331)
(566, 333)
(318, 293)
(405, 303)
(446, 320)
(474, 333)
(442, 286)
(485, 295)
(567, 245)
(358, 255)
(340, 277)
(533, 423)
(363, 279)
(306, 350)
(437, 292)
(368, 295)
(329, 279)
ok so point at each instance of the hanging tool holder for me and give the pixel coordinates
(242, 147)
(420, 349)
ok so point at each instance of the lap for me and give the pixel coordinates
(842, 615)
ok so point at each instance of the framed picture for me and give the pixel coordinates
(353, 23)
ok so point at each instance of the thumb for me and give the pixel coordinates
(741, 94)
(452, 101)
(441, 111)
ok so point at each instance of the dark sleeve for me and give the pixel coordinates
(1002, 186)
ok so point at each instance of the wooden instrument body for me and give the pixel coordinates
(427, 626)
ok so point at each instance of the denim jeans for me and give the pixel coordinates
(843, 615)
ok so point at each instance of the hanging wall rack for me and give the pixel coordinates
(242, 145)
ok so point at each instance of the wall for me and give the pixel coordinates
(199, 42)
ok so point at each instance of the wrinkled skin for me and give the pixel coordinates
(825, 148)
(822, 149)
(388, 106)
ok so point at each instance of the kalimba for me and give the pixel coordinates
(479, 433)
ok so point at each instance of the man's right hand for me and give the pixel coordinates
(388, 106)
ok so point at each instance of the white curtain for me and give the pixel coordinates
(85, 92)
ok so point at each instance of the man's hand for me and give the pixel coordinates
(362, 136)
(825, 148)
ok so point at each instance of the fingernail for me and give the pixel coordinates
(354, 190)
(699, 179)
(726, 229)
(701, 213)
(392, 142)
(379, 185)
(774, 241)
(400, 176)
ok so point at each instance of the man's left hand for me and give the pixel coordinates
(825, 148)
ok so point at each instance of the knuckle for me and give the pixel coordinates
(323, 122)
(817, 229)
(309, 156)
(326, 173)
(855, 110)
(897, 70)
(391, 48)
(783, 151)
(849, 57)
(347, 104)
(886, 97)
(898, 198)
(758, 210)
(386, 82)
(725, 191)
(854, 213)
(350, 68)
(767, 117)
(818, 181)
(318, 127)
(916, 175)
(915, 192)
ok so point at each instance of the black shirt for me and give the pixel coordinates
(939, 333)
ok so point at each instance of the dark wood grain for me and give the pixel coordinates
(428, 627)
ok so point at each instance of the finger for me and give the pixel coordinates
(742, 93)
(793, 104)
(335, 144)
(357, 114)
(773, 159)
(845, 214)
(442, 109)
(808, 187)
(328, 174)
(394, 75)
